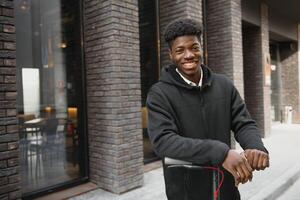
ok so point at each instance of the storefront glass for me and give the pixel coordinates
(50, 93)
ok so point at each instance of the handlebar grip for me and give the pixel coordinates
(171, 161)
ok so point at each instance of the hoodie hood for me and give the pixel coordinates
(170, 75)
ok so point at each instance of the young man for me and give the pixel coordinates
(192, 112)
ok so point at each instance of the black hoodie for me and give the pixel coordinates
(194, 124)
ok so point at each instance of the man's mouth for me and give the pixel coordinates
(189, 64)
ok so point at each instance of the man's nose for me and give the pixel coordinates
(188, 54)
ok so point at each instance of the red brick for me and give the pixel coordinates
(9, 62)
(9, 188)
(3, 164)
(15, 194)
(7, 12)
(11, 112)
(3, 181)
(12, 128)
(2, 113)
(10, 79)
(10, 95)
(12, 145)
(13, 162)
(14, 178)
(9, 45)
(9, 28)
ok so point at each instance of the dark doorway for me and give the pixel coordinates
(149, 59)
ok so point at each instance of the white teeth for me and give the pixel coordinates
(190, 64)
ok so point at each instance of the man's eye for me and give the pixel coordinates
(178, 51)
(196, 48)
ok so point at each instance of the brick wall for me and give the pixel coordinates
(290, 79)
(253, 76)
(276, 86)
(224, 39)
(265, 54)
(113, 93)
(171, 10)
(297, 113)
(9, 152)
(257, 93)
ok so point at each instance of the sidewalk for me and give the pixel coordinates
(283, 145)
(292, 193)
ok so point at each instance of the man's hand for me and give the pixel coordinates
(257, 159)
(238, 166)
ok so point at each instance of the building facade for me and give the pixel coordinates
(74, 78)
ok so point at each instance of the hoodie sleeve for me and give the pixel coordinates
(167, 141)
(245, 129)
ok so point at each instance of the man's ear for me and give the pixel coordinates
(170, 54)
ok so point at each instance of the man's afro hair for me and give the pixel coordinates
(182, 27)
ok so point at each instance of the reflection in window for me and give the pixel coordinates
(31, 90)
(49, 92)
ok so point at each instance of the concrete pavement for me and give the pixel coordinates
(283, 145)
(292, 193)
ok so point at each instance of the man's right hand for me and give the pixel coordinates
(257, 159)
(238, 166)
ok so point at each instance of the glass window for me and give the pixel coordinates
(149, 58)
(50, 93)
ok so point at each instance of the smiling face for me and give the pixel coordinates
(185, 52)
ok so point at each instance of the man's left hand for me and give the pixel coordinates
(257, 159)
